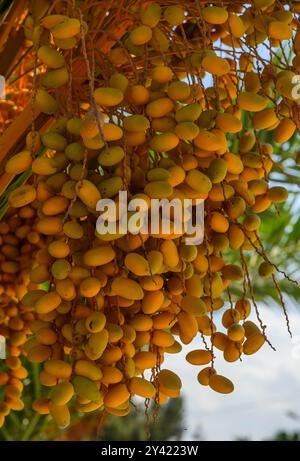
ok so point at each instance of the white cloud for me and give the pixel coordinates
(267, 386)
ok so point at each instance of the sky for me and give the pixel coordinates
(267, 388)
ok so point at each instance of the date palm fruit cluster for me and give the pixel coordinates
(18, 244)
(161, 114)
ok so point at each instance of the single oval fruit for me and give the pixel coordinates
(169, 383)
(164, 142)
(117, 395)
(142, 387)
(150, 15)
(193, 305)
(19, 162)
(58, 368)
(56, 78)
(198, 181)
(221, 384)
(60, 414)
(199, 357)
(51, 57)
(111, 156)
(99, 256)
(85, 388)
(22, 196)
(140, 35)
(216, 65)
(62, 393)
(215, 14)
(127, 288)
(66, 28)
(137, 264)
(158, 189)
(45, 102)
(47, 303)
(145, 359)
(159, 108)
(87, 370)
(108, 96)
(88, 193)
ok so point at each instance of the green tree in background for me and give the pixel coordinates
(169, 424)
(287, 437)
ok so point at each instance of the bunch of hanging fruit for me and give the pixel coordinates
(154, 99)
